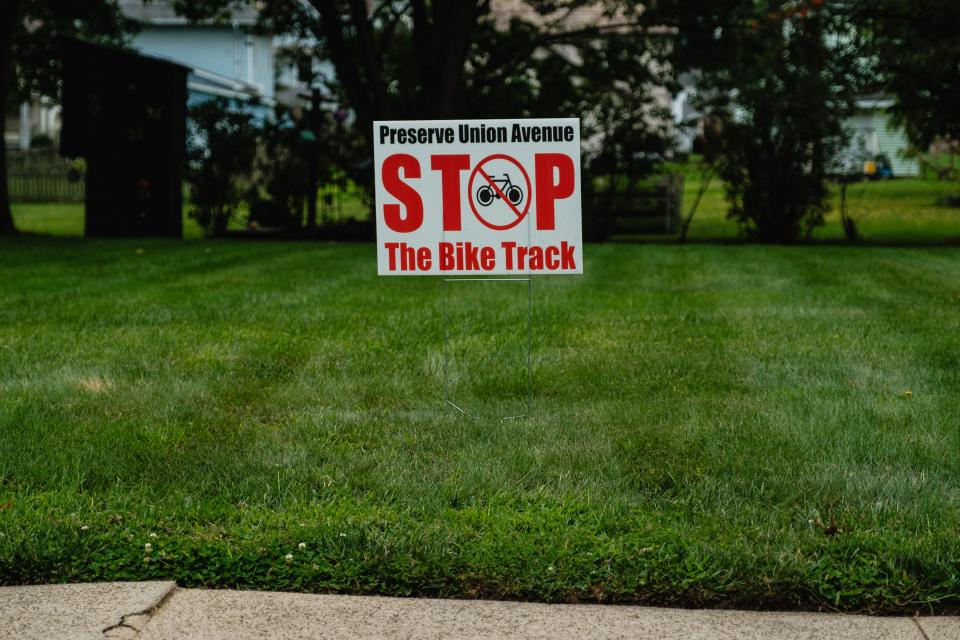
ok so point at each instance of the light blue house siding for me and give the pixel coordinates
(224, 53)
(226, 59)
(873, 132)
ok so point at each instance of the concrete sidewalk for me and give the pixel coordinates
(81, 611)
(160, 611)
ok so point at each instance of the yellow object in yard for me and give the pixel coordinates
(869, 167)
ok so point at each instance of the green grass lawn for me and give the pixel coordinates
(901, 211)
(698, 411)
(65, 219)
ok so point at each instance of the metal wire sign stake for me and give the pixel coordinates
(478, 201)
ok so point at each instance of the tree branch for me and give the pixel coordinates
(389, 26)
(368, 55)
(331, 30)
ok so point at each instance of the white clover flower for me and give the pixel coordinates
(153, 535)
(302, 545)
(148, 547)
(84, 528)
(289, 557)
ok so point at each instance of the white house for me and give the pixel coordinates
(227, 59)
(873, 133)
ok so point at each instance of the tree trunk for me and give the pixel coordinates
(442, 35)
(332, 29)
(313, 163)
(706, 176)
(8, 22)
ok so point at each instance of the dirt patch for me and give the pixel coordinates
(95, 384)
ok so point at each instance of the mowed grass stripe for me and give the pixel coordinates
(700, 413)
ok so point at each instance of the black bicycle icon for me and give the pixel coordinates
(487, 194)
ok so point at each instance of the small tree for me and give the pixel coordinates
(711, 163)
(290, 163)
(221, 145)
(783, 80)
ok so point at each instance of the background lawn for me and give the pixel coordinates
(726, 425)
(901, 211)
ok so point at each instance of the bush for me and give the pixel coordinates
(781, 84)
(282, 185)
(221, 147)
(236, 159)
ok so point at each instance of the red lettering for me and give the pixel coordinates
(508, 248)
(403, 192)
(548, 191)
(466, 256)
(450, 168)
(488, 258)
(552, 258)
(566, 256)
(446, 256)
(409, 259)
(423, 259)
(536, 258)
(392, 248)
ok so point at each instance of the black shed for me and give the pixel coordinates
(126, 115)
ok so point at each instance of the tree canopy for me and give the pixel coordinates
(777, 81)
(780, 77)
(30, 36)
(916, 48)
(600, 61)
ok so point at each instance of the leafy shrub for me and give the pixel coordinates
(280, 195)
(236, 158)
(779, 85)
(220, 152)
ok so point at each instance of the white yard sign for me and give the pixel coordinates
(478, 197)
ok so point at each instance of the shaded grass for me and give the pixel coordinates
(65, 219)
(697, 411)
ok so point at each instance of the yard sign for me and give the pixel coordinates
(478, 197)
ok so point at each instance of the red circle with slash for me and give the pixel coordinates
(493, 185)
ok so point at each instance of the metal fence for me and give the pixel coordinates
(43, 176)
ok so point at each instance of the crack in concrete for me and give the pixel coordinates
(146, 613)
(916, 621)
